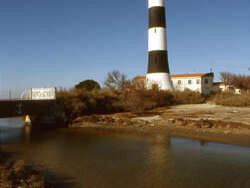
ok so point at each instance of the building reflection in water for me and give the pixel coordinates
(27, 132)
(158, 160)
(203, 143)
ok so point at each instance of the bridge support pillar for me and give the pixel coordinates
(27, 120)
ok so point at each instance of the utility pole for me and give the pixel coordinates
(10, 94)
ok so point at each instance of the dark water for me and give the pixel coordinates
(94, 158)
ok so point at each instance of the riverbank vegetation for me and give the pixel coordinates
(236, 80)
(232, 99)
(120, 95)
(229, 97)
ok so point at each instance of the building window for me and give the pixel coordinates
(198, 81)
(190, 82)
(179, 82)
(206, 81)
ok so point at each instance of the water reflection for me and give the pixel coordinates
(10, 136)
(7, 123)
(158, 160)
(27, 133)
(203, 143)
(10, 129)
(106, 159)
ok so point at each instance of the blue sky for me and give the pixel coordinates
(62, 42)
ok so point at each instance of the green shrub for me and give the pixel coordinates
(88, 85)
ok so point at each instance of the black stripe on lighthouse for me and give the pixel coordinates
(157, 17)
(158, 62)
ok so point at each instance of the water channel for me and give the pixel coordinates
(105, 159)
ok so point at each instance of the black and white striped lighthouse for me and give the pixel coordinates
(158, 68)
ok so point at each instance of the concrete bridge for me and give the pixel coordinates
(13, 108)
(43, 110)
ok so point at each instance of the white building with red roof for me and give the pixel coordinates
(200, 82)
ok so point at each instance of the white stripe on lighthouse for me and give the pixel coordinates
(156, 3)
(163, 81)
(157, 39)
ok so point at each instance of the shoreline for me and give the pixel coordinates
(219, 136)
(203, 122)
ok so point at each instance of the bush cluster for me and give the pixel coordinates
(232, 99)
(77, 102)
(188, 97)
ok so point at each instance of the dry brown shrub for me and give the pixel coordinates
(141, 99)
(231, 99)
(136, 99)
(82, 102)
(188, 97)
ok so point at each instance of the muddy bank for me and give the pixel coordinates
(202, 121)
(14, 173)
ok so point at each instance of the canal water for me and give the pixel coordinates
(90, 158)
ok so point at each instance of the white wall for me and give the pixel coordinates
(200, 86)
(185, 85)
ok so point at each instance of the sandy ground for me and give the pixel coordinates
(200, 121)
(209, 112)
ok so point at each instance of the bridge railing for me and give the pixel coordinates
(29, 94)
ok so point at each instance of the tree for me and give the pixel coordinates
(88, 85)
(236, 80)
(227, 78)
(116, 80)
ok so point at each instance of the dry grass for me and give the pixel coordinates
(188, 97)
(231, 99)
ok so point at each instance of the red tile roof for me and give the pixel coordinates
(140, 77)
(192, 75)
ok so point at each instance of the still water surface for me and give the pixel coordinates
(104, 159)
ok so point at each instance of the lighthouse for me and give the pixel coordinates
(158, 67)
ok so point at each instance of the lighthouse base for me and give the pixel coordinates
(163, 81)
